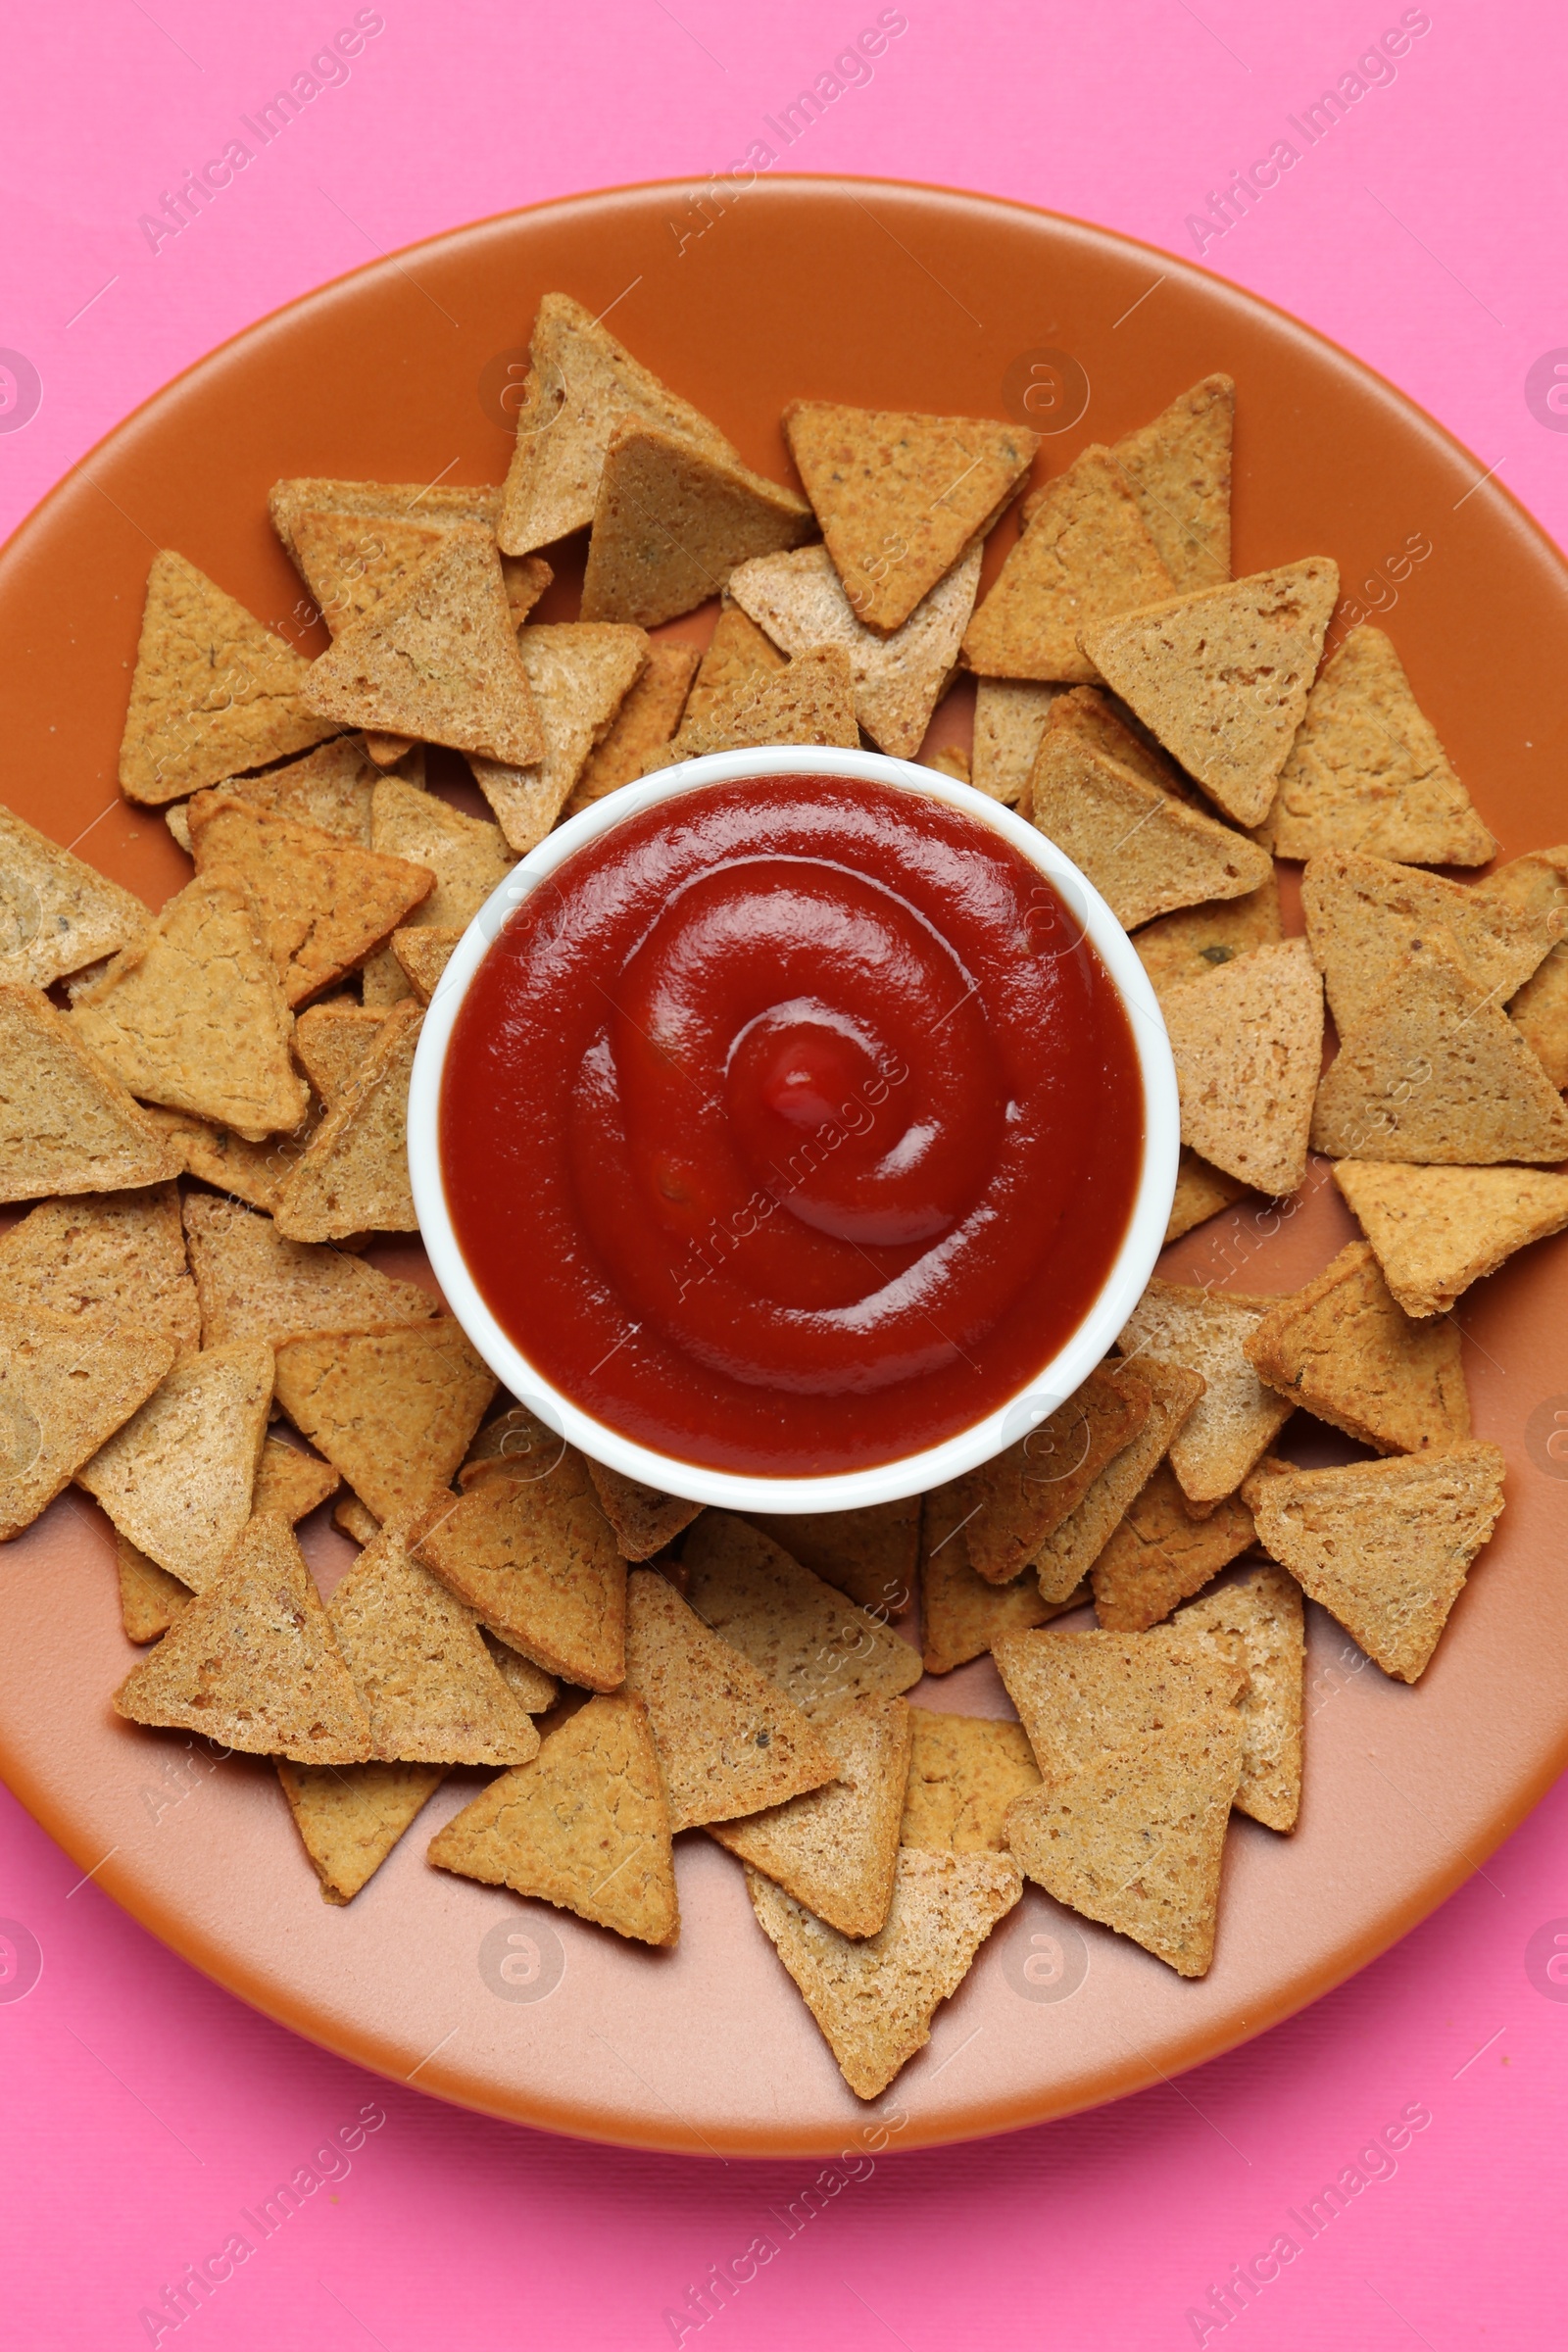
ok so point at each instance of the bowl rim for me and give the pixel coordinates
(907, 1474)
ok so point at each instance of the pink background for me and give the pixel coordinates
(144, 2108)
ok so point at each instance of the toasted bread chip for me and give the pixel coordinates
(1438, 1077)
(394, 1410)
(194, 1017)
(643, 1518)
(1536, 887)
(808, 701)
(874, 2000)
(871, 1553)
(801, 1632)
(835, 1850)
(1236, 1419)
(1143, 850)
(1364, 915)
(1367, 770)
(64, 1392)
(1011, 1503)
(1179, 469)
(353, 1176)
(964, 1772)
(150, 1598)
(1221, 675)
(900, 496)
(360, 1526)
(645, 722)
(896, 681)
(1136, 1838)
(290, 1483)
(1345, 1348)
(467, 856)
(1248, 1043)
(535, 1558)
(214, 691)
(729, 1739)
(1101, 725)
(57, 913)
(329, 789)
(351, 562)
(587, 1825)
(737, 652)
(1009, 719)
(961, 1614)
(1086, 553)
(1198, 940)
(582, 384)
(424, 954)
(1202, 1192)
(254, 1284)
(671, 521)
(444, 502)
(1263, 1611)
(253, 1662)
(253, 1172)
(1385, 1547)
(1082, 1696)
(120, 1259)
(332, 1041)
(534, 1690)
(580, 673)
(430, 1687)
(178, 1478)
(1066, 1556)
(1438, 1230)
(350, 1817)
(1161, 1555)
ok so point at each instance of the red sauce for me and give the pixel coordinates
(791, 1127)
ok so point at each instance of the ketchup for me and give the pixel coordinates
(790, 1126)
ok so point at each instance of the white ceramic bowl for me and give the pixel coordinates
(910, 1473)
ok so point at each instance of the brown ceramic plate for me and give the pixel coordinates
(897, 297)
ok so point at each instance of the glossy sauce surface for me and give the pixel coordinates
(790, 1126)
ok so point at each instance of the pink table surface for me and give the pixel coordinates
(147, 2112)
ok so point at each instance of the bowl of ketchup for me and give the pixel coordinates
(794, 1129)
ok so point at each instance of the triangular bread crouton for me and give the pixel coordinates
(150, 1598)
(467, 855)
(1064, 1557)
(442, 503)
(529, 1550)
(871, 1552)
(1438, 1230)
(1536, 887)
(582, 384)
(808, 701)
(1345, 1349)
(353, 1175)
(253, 1172)
(961, 1614)
(195, 1018)
(900, 496)
(1221, 675)
(214, 692)
(1263, 1611)
(394, 1410)
(1236, 1418)
(835, 1850)
(1161, 1555)
(430, 1687)
(67, 1123)
(1011, 1503)
(1363, 914)
(119, 1259)
(437, 659)
(736, 653)
(644, 1519)
(360, 1526)
(671, 521)
(1202, 1192)
(252, 1282)
(1083, 1696)
(1101, 725)
(874, 2000)
(1179, 470)
(332, 1041)
(1196, 941)
(1436, 1076)
(800, 1631)
(1136, 1837)
(1086, 553)
(351, 562)
(56, 912)
(253, 1662)
(1143, 850)
(178, 1478)
(645, 722)
(534, 1690)
(425, 952)
(1248, 1043)
(325, 902)
(896, 681)
(1385, 1547)
(964, 1772)
(1367, 770)
(291, 1483)
(351, 1816)
(330, 789)
(1009, 719)
(587, 1825)
(730, 1741)
(580, 672)
(63, 1394)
